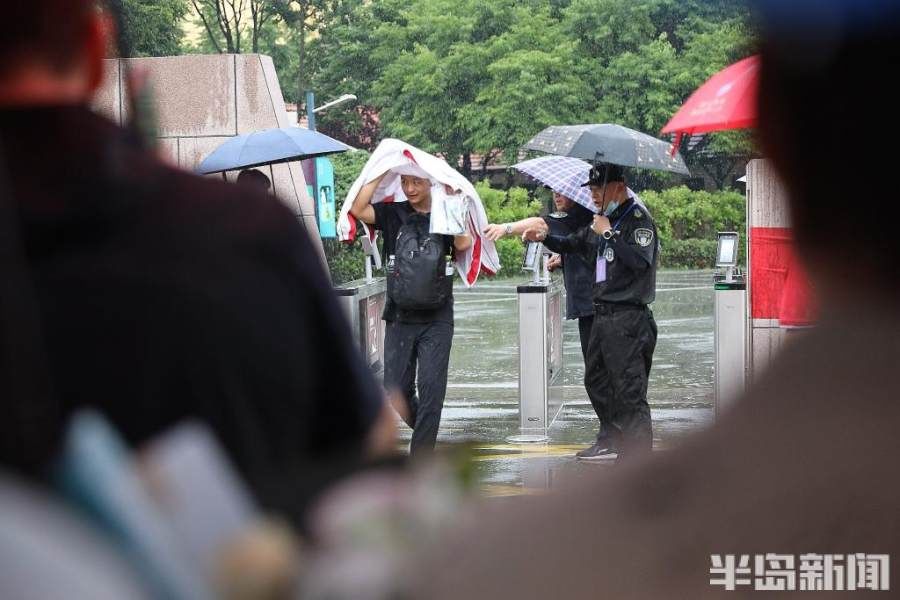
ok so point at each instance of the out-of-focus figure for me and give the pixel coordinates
(161, 295)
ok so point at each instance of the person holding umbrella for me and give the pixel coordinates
(568, 218)
(574, 210)
(622, 242)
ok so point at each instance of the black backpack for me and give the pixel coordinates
(417, 275)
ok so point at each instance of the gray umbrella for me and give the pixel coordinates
(269, 147)
(608, 143)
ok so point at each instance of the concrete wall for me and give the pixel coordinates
(201, 101)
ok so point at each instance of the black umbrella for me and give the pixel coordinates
(608, 143)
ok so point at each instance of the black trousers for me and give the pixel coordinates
(584, 334)
(416, 358)
(620, 354)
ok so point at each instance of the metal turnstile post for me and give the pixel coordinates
(362, 301)
(540, 311)
(730, 341)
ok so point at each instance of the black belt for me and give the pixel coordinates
(604, 308)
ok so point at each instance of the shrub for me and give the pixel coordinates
(682, 214)
(688, 254)
(688, 220)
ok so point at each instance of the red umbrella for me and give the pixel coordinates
(726, 101)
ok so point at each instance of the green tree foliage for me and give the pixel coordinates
(464, 76)
(153, 27)
(649, 56)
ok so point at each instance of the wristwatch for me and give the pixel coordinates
(508, 229)
(607, 234)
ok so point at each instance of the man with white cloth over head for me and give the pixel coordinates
(419, 267)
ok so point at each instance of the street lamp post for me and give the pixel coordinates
(312, 109)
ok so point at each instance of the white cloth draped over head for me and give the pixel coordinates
(397, 158)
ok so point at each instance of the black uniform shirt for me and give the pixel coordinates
(578, 270)
(631, 255)
(388, 218)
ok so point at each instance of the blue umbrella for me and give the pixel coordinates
(269, 147)
(562, 174)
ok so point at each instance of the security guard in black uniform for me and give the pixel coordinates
(622, 244)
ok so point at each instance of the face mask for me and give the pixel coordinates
(612, 206)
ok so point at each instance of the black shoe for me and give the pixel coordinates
(601, 450)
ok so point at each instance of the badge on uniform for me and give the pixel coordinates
(609, 255)
(644, 237)
(559, 215)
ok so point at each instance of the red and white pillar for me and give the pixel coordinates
(779, 296)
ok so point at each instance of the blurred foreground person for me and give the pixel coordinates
(804, 465)
(164, 296)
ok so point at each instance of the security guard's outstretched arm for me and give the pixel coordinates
(584, 242)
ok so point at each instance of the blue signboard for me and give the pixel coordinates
(324, 198)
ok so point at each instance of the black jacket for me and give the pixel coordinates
(166, 296)
(631, 255)
(578, 273)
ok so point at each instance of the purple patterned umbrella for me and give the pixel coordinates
(562, 174)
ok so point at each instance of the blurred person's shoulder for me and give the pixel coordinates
(797, 466)
(212, 204)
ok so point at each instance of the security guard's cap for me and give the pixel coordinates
(604, 173)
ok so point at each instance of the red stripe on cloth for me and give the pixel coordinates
(388, 199)
(352, 237)
(475, 267)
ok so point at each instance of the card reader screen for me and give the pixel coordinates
(726, 250)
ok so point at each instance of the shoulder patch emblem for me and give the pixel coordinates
(644, 237)
(609, 254)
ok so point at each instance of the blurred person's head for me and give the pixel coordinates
(825, 114)
(254, 179)
(51, 52)
(417, 191)
(607, 183)
(562, 203)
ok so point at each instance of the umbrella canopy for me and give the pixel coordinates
(608, 143)
(268, 147)
(726, 101)
(562, 174)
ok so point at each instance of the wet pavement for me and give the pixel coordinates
(482, 396)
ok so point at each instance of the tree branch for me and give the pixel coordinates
(225, 24)
(209, 33)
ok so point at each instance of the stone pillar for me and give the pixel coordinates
(201, 101)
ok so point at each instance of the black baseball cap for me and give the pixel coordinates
(604, 173)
